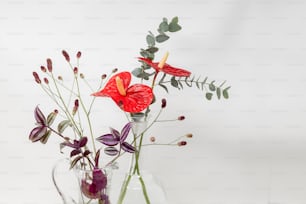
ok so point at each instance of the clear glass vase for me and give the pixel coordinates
(139, 185)
(82, 186)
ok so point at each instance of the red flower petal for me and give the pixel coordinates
(111, 89)
(168, 69)
(138, 96)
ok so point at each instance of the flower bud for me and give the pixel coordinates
(55, 111)
(75, 70)
(189, 135)
(82, 76)
(60, 78)
(164, 103)
(43, 69)
(46, 81)
(49, 65)
(76, 106)
(103, 76)
(182, 143)
(36, 77)
(152, 139)
(115, 70)
(181, 117)
(78, 55)
(65, 54)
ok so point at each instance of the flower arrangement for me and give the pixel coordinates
(135, 101)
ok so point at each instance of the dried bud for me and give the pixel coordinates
(65, 54)
(189, 135)
(115, 70)
(49, 65)
(103, 76)
(182, 143)
(78, 54)
(55, 111)
(43, 69)
(76, 106)
(152, 139)
(75, 70)
(36, 77)
(164, 103)
(46, 80)
(82, 76)
(60, 78)
(181, 117)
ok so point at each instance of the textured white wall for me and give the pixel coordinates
(247, 150)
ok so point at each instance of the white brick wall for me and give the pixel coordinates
(247, 150)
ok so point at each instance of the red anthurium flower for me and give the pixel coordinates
(133, 99)
(166, 68)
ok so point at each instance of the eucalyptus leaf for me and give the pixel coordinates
(208, 96)
(173, 27)
(150, 40)
(161, 38)
(174, 20)
(164, 87)
(164, 27)
(174, 82)
(218, 93)
(225, 94)
(152, 49)
(211, 86)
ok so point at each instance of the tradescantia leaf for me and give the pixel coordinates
(128, 147)
(108, 139)
(39, 116)
(37, 133)
(51, 117)
(63, 125)
(111, 151)
(211, 86)
(44, 139)
(75, 161)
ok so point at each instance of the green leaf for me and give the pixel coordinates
(75, 161)
(164, 87)
(174, 20)
(180, 84)
(63, 125)
(146, 54)
(51, 117)
(45, 138)
(225, 94)
(150, 40)
(212, 87)
(161, 38)
(136, 72)
(152, 49)
(173, 27)
(174, 82)
(208, 96)
(218, 93)
(163, 26)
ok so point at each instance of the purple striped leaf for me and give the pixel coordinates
(37, 133)
(108, 139)
(128, 147)
(39, 116)
(125, 131)
(111, 151)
